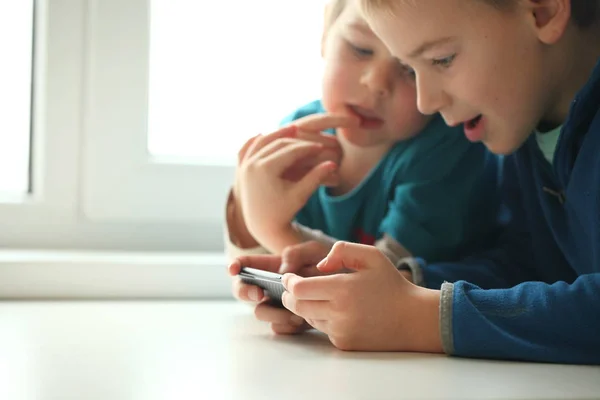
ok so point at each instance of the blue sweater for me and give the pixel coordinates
(536, 295)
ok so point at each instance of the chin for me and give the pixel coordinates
(358, 138)
(500, 151)
(503, 148)
(504, 141)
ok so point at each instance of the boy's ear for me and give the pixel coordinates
(550, 18)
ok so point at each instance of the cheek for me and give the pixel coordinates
(405, 113)
(485, 91)
(472, 92)
(338, 80)
(510, 69)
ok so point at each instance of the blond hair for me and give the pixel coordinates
(369, 6)
(334, 10)
(584, 13)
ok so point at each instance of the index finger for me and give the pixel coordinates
(321, 288)
(321, 122)
(245, 147)
(262, 141)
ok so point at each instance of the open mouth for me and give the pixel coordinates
(472, 124)
(368, 118)
(475, 128)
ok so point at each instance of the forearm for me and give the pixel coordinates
(276, 242)
(236, 230)
(533, 321)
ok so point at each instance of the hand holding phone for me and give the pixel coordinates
(268, 281)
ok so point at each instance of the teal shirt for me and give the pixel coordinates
(434, 194)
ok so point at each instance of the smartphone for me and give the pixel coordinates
(270, 282)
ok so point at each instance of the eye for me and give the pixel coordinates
(406, 71)
(360, 51)
(445, 62)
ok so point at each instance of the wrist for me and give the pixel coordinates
(426, 316)
(281, 238)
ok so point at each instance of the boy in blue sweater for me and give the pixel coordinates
(523, 77)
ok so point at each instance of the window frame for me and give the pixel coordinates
(124, 182)
(69, 205)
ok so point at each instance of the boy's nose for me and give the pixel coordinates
(430, 96)
(378, 78)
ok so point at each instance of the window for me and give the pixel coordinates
(16, 42)
(119, 125)
(218, 77)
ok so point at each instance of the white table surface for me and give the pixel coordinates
(216, 350)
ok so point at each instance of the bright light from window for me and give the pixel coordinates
(223, 71)
(16, 44)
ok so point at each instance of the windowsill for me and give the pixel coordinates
(28, 274)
